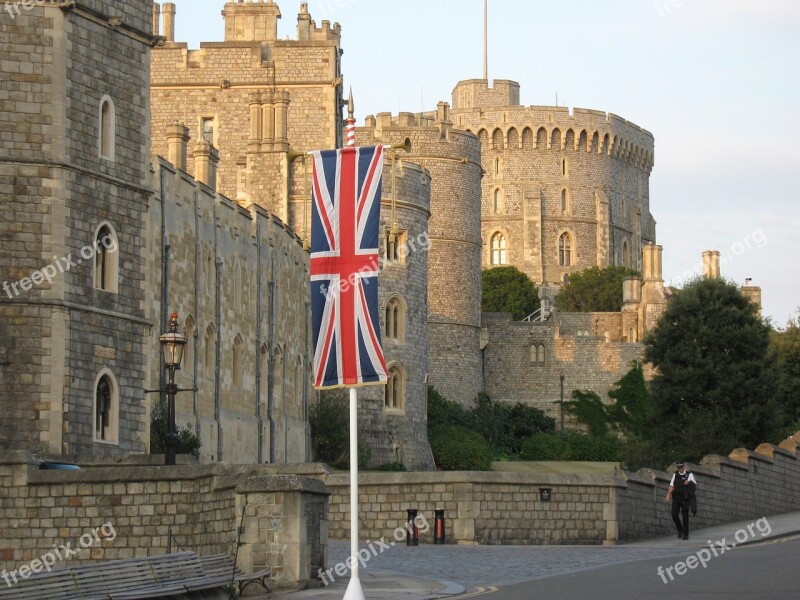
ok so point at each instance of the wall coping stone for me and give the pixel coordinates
(478, 477)
(715, 461)
(261, 482)
(770, 450)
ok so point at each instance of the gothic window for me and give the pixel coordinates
(497, 204)
(106, 399)
(565, 250)
(626, 261)
(106, 260)
(394, 394)
(210, 345)
(396, 247)
(208, 130)
(555, 139)
(497, 166)
(238, 348)
(540, 354)
(498, 249)
(107, 129)
(395, 319)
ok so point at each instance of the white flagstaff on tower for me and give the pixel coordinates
(486, 40)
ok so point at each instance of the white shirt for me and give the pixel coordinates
(691, 478)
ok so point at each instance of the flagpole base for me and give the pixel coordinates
(354, 591)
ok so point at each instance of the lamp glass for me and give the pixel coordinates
(173, 344)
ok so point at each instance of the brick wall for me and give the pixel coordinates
(506, 508)
(283, 516)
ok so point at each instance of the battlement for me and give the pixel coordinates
(473, 93)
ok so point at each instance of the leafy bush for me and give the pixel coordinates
(330, 433)
(595, 448)
(188, 441)
(545, 446)
(442, 411)
(594, 290)
(392, 467)
(507, 289)
(456, 448)
(589, 410)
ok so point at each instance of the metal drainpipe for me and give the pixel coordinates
(218, 320)
(198, 259)
(271, 373)
(165, 247)
(259, 341)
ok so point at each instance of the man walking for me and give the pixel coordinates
(681, 492)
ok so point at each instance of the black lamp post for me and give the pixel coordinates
(561, 403)
(172, 343)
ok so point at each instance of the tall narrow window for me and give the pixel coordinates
(626, 262)
(106, 260)
(564, 168)
(497, 166)
(187, 365)
(565, 250)
(394, 394)
(395, 319)
(106, 398)
(497, 205)
(540, 354)
(208, 130)
(107, 129)
(564, 201)
(498, 249)
(210, 345)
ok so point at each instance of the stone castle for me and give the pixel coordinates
(208, 209)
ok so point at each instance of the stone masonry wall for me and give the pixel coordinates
(507, 508)
(283, 516)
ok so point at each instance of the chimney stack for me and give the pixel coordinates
(156, 18)
(206, 159)
(169, 21)
(177, 140)
(711, 264)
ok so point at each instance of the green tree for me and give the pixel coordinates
(716, 384)
(330, 433)
(188, 441)
(507, 289)
(594, 290)
(588, 409)
(631, 405)
(786, 347)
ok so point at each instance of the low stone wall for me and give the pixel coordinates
(129, 510)
(508, 508)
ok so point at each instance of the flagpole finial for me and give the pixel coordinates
(350, 105)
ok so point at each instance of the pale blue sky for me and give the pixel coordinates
(716, 81)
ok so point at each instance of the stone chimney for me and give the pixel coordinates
(177, 141)
(651, 263)
(206, 159)
(251, 21)
(443, 118)
(631, 293)
(304, 23)
(711, 264)
(169, 21)
(156, 18)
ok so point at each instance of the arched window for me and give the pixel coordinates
(106, 260)
(540, 354)
(497, 166)
(238, 348)
(107, 129)
(395, 319)
(106, 408)
(534, 354)
(564, 168)
(498, 249)
(264, 357)
(565, 250)
(555, 139)
(626, 261)
(564, 201)
(394, 395)
(497, 204)
(210, 345)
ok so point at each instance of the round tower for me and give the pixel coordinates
(454, 284)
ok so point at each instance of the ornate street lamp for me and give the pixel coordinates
(172, 343)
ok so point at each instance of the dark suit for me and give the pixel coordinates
(682, 499)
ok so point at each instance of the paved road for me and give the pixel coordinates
(765, 571)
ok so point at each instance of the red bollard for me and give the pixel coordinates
(438, 527)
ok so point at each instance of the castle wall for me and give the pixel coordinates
(506, 508)
(551, 171)
(62, 332)
(216, 82)
(454, 290)
(134, 508)
(574, 346)
(256, 316)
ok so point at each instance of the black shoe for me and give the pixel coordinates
(686, 536)
(680, 534)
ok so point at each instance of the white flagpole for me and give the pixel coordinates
(354, 591)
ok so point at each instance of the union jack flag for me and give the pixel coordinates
(345, 223)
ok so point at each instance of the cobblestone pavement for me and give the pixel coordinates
(473, 566)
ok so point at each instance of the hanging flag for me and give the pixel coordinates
(345, 223)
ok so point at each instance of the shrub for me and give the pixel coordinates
(188, 441)
(588, 409)
(330, 433)
(600, 448)
(456, 448)
(545, 446)
(442, 411)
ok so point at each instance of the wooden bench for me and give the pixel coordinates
(134, 579)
